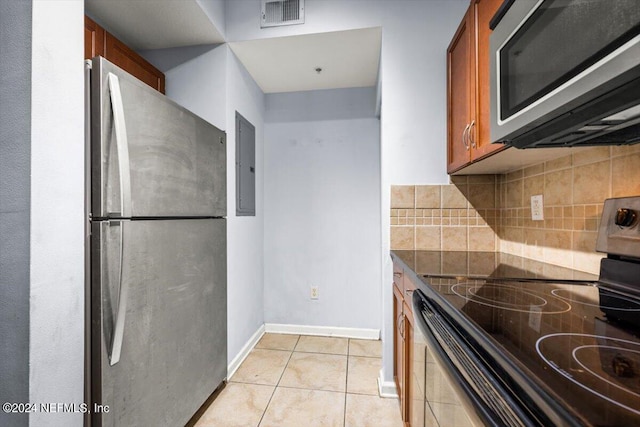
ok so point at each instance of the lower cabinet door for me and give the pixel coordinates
(398, 345)
(409, 383)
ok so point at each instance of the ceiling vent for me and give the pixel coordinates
(282, 12)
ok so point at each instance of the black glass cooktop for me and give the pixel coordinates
(578, 340)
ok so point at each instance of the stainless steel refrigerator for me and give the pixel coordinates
(157, 258)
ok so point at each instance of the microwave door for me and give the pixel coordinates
(550, 58)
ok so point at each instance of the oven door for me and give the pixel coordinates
(454, 385)
(551, 56)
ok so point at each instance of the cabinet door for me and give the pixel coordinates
(398, 276)
(398, 347)
(409, 287)
(460, 93)
(98, 42)
(418, 382)
(480, 134)
(409, 381)
(125, 58)
(93, 39)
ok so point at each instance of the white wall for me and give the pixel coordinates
(322, 185)
(413, 115)
(215, 85)
(215, 10)
(56, 354)
(415, 36)
(200, 85)
(245, 233)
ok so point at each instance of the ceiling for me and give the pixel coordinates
(283, 64)
(288, 64)
(153, 24)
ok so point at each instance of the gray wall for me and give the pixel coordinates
(15, 168)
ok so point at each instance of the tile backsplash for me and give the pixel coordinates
(446, 217)
(493, 212)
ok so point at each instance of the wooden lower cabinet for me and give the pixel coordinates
(398, 346)
(403, 347)
(99, 42)
(409, 384)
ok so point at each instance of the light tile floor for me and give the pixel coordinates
(298, 380)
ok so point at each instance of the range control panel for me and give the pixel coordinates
(619, 232)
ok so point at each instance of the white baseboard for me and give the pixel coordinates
(325, 331)
(386, 388)
(235, 363)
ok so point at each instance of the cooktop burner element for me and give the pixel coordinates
(511, 297)
(606, 367)
(613, 302)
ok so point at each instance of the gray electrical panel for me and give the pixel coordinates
(245, 167)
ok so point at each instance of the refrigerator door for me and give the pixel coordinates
(164, 281)
(150, 156)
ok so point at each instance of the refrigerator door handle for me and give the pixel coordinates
(122, 145)
(123, 296)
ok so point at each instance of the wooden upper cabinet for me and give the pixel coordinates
(481, 133)
(468, 90)
(460, 93)
(125, 58)
(98, 42)
(93, 39)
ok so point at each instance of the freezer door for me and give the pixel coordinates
(151, 157)
(164, 281)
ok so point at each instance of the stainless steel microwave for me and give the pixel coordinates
(565, 73)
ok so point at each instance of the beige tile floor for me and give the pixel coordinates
(298, 380)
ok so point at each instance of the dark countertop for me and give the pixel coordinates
(427, 264)
(533, 334)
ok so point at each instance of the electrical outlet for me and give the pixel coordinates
(314, 292)
(537, 208)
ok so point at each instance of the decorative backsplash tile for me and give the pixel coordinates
(442, 217)
(493, 212)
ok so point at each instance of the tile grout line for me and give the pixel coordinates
(278, 382)
(346, 384)
(290, 387)
(277, 385)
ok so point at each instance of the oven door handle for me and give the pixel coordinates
(476, 406)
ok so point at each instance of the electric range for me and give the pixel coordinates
(561, 346)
